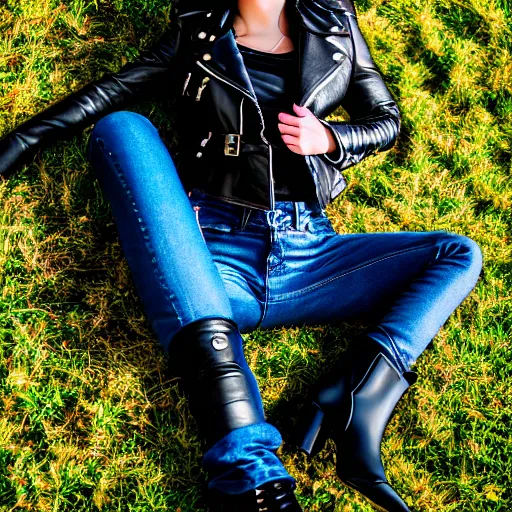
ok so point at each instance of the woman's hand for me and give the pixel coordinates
(304, 134)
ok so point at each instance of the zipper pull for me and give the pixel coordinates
(206, 79)
(205, 141)
(196, 210)
(185, 85)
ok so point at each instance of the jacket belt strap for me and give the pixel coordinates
(232, 144)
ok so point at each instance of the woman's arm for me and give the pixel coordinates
(149, 72)
(374, 116)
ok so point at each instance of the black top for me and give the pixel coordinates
(274, 79)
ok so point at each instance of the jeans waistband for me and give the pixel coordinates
(287, 214)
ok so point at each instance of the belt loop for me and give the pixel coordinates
(271, 218)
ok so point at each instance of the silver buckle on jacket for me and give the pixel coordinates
(232, 144)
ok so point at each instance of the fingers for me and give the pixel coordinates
(301, 111)
(289, 119)
(302, 133)
(293, 144)
(290, 139)
(288, 129)
(295, 149)
(296, 120)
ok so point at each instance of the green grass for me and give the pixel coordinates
(89, 418)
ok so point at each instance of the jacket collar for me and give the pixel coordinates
(321, 52)
(321, 23)
(322, 17)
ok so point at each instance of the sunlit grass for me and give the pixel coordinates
(89, 417)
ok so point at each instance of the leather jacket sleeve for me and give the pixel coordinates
(151, 71)
(374, 116)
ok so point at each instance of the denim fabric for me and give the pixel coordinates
(173, 271)
(267, 268)
(288, 267)
(235, 465)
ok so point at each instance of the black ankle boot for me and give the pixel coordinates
(352, 406)
(271, 497)
(222, 391)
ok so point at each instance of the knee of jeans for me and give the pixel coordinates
(115, 122)
(121, 118)
(114, 128)
(466, 251)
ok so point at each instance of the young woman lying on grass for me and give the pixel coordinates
(237, 238)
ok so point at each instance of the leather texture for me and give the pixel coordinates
(270, 497)
(198, 59)
(152, 71)
(223, 394)
(352, 406)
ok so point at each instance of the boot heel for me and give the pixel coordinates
(311, 438)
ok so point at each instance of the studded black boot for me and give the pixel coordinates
(271, 497)
(224, 396)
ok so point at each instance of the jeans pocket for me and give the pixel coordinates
(223, 228)
(212, 219)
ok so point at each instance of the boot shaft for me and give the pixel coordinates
(223, 394)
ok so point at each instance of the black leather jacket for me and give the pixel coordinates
(198, 59)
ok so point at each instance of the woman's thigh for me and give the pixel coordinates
(172, 268)
(239, 254)
(346, 276)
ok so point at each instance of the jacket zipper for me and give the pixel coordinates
(314, 174)
(320, 86)
(242, 117)
(315, 91)
(306, 103)
(263, 138)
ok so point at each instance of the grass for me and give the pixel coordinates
(89, 419)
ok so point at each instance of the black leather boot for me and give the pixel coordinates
(224, 396)
(271, 497)
(352, 406)
(222, 391)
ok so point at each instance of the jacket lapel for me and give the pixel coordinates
(227, 60)
(321, 48)
(319, 60)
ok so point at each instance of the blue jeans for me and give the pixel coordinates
(195, 257)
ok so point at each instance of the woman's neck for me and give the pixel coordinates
(262, 24)
(260, 15)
